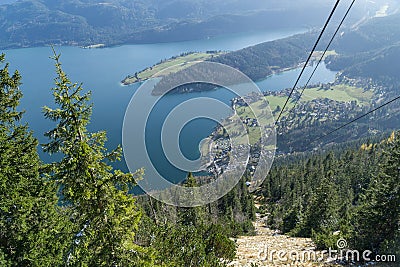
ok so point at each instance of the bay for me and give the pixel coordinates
(101, 70)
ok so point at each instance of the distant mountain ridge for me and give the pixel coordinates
(370, 51)
(26, 23)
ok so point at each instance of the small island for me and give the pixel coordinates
(170, 66)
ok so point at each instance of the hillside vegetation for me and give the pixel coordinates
(113, 22)
(264, 59)
(376, 54)
(350, 192)
(79, 210)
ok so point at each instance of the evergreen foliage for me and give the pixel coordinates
(78, 210)
(104, 214)
(197, 236)
(377, 224)
(31, 228)
(350, 193)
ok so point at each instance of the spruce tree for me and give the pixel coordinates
(191, 215)
(322, 215)
(105, 215)
(31, 224)
(377, 223)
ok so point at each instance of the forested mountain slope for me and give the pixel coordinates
(111, 22)
(349, 192)
(264, 59)
(372, 51)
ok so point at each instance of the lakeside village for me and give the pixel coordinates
(305, 113)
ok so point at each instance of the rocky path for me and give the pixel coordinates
(268, 248)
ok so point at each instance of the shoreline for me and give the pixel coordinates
(170, 66)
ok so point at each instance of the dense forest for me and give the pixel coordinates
(350, 192)
(78, 210)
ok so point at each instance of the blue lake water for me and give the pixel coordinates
(101, 70)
